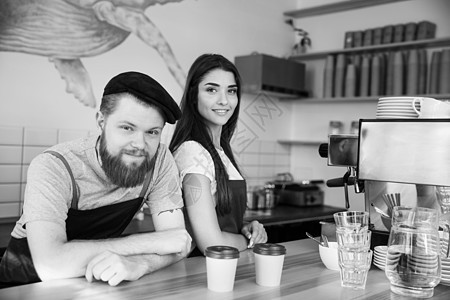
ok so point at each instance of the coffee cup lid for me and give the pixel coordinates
(269, 249)
(223, 252)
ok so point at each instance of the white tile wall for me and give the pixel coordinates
(65, 135)
(40, 136)
(22, 192)
(267, 147)
(282, 149)
(11, 139)
(249, 159)
(8, 210)
(11, 135)
(261, 161)
(282, 160)
(10, 154)
(18, 147)
(24, 173)
(9, 192)
(266, 159)
(250, 172)
(10, 173)
(30, 152)
(253, 147)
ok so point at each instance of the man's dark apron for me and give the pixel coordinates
(109, 221)
(234, 220)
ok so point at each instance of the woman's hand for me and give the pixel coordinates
(255, 232)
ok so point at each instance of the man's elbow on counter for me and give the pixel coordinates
(50, 271)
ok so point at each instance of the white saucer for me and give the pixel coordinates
(396, 112)
(395, 117)
(380, 262)
(396, 104)
(378, 254)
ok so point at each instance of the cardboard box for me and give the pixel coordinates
(426, 30)
(367, 37)
(388, 34)
(410, 32)
(278, 76)
(399, 33)
(377, 36)
(357, 39)
(348, 39)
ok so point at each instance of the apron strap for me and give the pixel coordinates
(146, 183)
(148, 178)
(75, 194)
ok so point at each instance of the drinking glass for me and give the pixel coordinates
(354, 267)
(413, 263)
(351, 221)
(443, 197)
(353, 237)
(351, 241)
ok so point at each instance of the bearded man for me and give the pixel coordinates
(82, 194)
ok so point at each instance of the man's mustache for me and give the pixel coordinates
(135, 152)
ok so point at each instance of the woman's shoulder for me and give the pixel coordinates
(191, 149)
(190, 145)
(191, 157)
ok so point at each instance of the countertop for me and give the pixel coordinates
(281, 214)
(285, 214)
(304, 277)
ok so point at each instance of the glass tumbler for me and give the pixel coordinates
(351, 221)
(353, 237)
(354, 267)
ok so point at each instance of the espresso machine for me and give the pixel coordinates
(393, 162)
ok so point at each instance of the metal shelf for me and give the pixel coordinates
(368, 99)
(304, 142)
(428, 43)
(336, 7)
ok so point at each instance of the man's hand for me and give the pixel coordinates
(255, 232)
(113, 268)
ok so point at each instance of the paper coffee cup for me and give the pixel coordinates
(269, 259)
(221, 263)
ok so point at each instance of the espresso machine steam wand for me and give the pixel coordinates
(341, 151)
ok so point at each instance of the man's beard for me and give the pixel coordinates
(120, 173)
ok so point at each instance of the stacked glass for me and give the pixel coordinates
(355, 257)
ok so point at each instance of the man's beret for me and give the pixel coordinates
(145, 89)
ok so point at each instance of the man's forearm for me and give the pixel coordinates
(135, 244)
(76, 254)
(114, 268)
(154, 262)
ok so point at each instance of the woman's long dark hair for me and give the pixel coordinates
(192, 126)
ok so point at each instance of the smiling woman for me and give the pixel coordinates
(217, 99)
(214, 191)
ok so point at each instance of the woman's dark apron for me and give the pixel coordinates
(234, 220)
(104, 222)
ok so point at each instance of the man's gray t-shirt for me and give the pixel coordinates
(48, 192)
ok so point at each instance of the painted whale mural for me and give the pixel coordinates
(67, 30)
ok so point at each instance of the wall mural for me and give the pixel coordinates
(67, 30)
